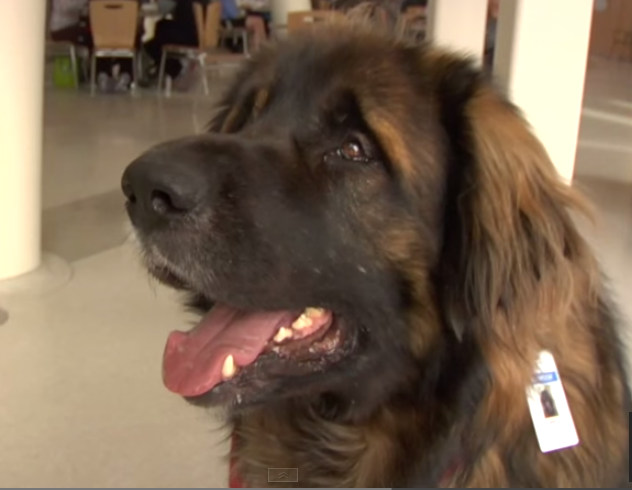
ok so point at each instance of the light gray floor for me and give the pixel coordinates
(81, 399)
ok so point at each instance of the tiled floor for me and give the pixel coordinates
(81, 400)
(604, 170)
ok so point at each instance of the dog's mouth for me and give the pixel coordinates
(231, 344)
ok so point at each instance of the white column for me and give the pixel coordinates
(21, 126)
(280, 9)
(459, 25)
(540, 60)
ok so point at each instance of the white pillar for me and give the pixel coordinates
(459, 25)
(21, 126)
(540, 60)
(280, 8)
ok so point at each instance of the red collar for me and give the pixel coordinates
(446, 478)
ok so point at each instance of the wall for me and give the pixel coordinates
(617, 15)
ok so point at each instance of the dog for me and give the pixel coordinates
(380, 251)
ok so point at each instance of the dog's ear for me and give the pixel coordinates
(229, 115)
(216, 123)
(510, 248)
(236, 104)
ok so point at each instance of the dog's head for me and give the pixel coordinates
(357, 207)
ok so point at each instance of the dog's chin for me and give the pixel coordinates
(243, 356)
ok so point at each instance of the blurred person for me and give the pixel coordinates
(67, 21)
(253, 22)
(179, 29)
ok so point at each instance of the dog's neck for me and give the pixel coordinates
(423, 420)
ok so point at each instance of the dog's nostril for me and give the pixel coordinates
(157, 192)
(128, 192)
(162, 203)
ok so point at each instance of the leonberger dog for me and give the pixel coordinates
(380, 251)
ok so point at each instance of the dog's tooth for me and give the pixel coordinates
(228, 368)
(302, 322)
(282, 334)
(314, 312)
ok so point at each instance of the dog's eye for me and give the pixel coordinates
(352, 150)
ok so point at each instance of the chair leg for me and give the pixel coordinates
(73, 65)
(93, 74)
(85, 65)
(134, 73)
(202, 63)
(244, 39)
(140, 64)
(161, 70)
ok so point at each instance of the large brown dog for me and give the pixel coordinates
(381, 249)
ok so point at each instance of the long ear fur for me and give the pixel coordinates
(511, 247)
(517, 278)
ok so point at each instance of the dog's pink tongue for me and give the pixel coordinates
(192, 363)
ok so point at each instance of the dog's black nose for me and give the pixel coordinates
(159, 188)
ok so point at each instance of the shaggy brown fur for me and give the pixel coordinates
(476, 256)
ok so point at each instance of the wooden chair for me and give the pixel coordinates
(207, 53)
(307, 19)
(114, 25)
(621, 42)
